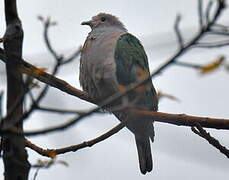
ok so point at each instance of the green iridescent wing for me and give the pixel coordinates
(131, 66)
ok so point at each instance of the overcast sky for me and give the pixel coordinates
(178, 153)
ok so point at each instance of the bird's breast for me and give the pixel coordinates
(99, 47)
(97, 62)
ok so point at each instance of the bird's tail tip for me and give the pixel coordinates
(144, 154)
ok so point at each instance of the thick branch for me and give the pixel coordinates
(184, 120)
(175, 119)
(14, 153)
(49, 79)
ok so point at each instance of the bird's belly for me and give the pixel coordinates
(98, 80)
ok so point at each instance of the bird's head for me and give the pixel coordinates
(104, 20)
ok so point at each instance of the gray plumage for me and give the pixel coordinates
(111, 60)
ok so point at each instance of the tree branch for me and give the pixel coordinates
(207, 136)
(175, 119)
(90, 143)
(178, 32)
(184, 120)
(14, 153)
(200, 13)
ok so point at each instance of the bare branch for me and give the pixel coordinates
(205, 68)
(46, 164)
(221, 4)
(59, 58)
(161, 95)
(46, 152)
(72, 57)
(218, 33)
(190, 44)
(185, 64)
(207, 136)
(178, 32)
(208, 10)
(61, 111)
(221, 26)
(200, 13)
(184, 120)
(47, 23)
(212, 44)
(175, 119)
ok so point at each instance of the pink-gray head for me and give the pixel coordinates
(104, 20)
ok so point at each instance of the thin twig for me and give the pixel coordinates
(59, 60)
(1, 104)
(200, 13)
(221, 26)
(90, 143)
(197, 129)
(193, 41)
(72, 57)
(178, 32)
(208, 10)
(212, 45)
(61, 111)
(214, 32)
(185, 64)
(47, 23)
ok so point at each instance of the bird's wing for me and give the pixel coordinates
(131, 67)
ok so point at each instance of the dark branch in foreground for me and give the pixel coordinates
(16, 165)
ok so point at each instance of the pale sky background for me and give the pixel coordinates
(178, 153)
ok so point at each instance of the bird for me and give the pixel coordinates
(111, 60)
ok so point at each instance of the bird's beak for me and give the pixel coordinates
(89, 23)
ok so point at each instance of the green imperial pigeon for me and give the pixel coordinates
(111, 60)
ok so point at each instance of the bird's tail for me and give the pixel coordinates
(144, 153)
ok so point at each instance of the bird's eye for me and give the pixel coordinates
(103, 19)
